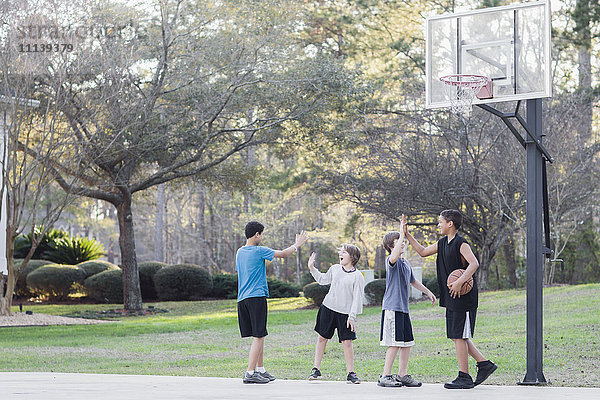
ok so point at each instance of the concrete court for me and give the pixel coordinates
(59, 386)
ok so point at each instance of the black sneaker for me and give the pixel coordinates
(408, 381)
(388, 381)
(352, 378)
(267, 375)
(314, 374)
(462, 381)
(256, 377)
(484, 370)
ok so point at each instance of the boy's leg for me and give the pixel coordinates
(320, 350)
(390, 357)
(256, 353)
(462, 354)
(474, 352)
(403, 363)
(348, 354)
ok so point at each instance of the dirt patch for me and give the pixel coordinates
(23, 319)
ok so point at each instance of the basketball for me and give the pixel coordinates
(466, 287)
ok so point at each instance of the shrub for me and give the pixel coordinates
(21, 288)
(106, 286)
(432, 284)
(147, 270)
(182, 282)
(44, 247)
(225, 286)
(306, 279)
(315, 292)
(74, 250)
(95, 267)
(55, 280)
(279, 289)
(374, 291)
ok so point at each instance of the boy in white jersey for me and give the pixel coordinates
(340, 307)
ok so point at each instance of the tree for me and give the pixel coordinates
(175, 94)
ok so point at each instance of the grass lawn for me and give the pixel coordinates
(202, 339)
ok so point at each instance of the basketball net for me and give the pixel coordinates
(461, 90)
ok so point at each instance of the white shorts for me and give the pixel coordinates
(389, 321)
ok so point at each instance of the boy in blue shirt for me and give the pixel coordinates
(253, 293)
(396, 329)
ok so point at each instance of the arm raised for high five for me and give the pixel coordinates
(301, 238)
(419, 248)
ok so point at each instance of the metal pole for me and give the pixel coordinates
(535, 249)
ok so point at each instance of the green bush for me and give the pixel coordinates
(306, 279)
(54, 280)
(21, 289)
(74, 250)
(225, 286)
(432, 284)
(374, 291)
(44, 247)
(106, 286)
(183, 282)
(315, 292)
(95, 267)
(280, 289)
(147, 271)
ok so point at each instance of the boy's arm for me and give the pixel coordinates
(301, 238)
(467, 253)
(419, 248)
(357, 299)
(320, 278)
(397, 250)
(419, 286)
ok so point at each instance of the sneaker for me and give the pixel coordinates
(484, 370)
(256, 377)
(267, 375)
(314, 374)
(462, 381)
(388, 381)
(352, 378)
(408, 381)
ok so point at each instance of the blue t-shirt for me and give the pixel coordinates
(252, 273)
(398, 278)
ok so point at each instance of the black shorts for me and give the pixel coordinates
(460, 324)
(328, 320)
(396, 329)
(252, 317)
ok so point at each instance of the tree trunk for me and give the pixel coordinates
(6, 295)
(298, 265)
(509, 257)
(159, 227)
(132, 295)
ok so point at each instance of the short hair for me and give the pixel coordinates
(353, 251)
(453, 215)
(252, 228)
(388, 240)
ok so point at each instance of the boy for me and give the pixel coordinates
(396, 329)
(453, 253)
(253, 293)
(339, 308)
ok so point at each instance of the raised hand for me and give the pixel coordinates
(311, 260)
(301, 238)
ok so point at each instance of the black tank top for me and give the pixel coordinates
(449, 259)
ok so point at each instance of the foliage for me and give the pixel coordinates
(279, 289)
(432, 284)
(183, 282)
(374, 291)
(21, 288)
(225, 286)
(106, 286)
(315, 292)
(306, 279)
(44, 247)
(95, 267)
(147, 271)
(54, 280)
(74, 250)
(581, 257)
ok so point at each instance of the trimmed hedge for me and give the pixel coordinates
(106, 286)
(95, 267)
(147, 271)
(374, 291)
(315, 292)
(306, 279)
(183, 282)
(22, 290)
(55, 280)
(432, 284)
(225, 286)
(280, 289)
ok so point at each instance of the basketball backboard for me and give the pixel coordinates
(509, 44)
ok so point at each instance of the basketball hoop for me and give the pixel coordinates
(461, 90)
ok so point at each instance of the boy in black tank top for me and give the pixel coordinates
(454, 252)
